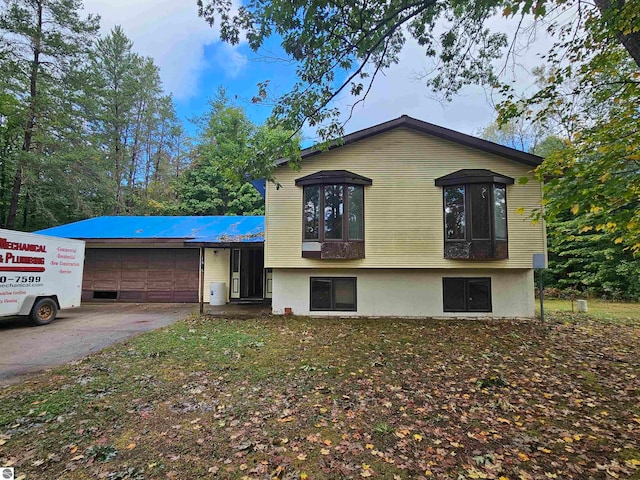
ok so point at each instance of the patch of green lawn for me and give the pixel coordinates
(334, 398)
(601, 309)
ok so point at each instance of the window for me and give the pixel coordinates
(311, 213)
(356, 212)
(333, 210)
(500, 212)
(235, 260)
(333, 214)
(480, 217)
(342, 216)
(454, 213)
(487, 207)
(475, 214)
(333, 294)
(466, 294)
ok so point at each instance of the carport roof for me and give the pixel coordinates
(206, 229)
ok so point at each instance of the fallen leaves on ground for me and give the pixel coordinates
(340, 398)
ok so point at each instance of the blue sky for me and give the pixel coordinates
(194, 64)
(238, 70)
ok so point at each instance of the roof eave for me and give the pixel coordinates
(132, 240)
(224, 244)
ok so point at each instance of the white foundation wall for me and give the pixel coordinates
(406, 292)
(216, 269)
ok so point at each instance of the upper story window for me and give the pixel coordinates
(475, 214)
(333, 214)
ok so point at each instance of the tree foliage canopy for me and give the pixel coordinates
(86, 128)
(43, 45)
(212, 184)
(230, 146)
(590, 263)
(343, 45)
(582, 261)
(589, 85)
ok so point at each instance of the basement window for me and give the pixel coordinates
(333, 294)
(466, 294)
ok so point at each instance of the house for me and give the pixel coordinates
(405, 218)
(170, 259)
(408, 219)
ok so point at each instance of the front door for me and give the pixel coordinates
(251, 273)
(235, 273)
(247, 273)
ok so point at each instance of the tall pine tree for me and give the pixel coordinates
(43, 44)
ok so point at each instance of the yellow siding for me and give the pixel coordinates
(216, 269)
(403, 207)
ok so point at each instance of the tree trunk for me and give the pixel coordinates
(118, 162)
(630, 41)
(4, 183)
(15, 195)
(25, 211)
(135, 153)
(29, 127)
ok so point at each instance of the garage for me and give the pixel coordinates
(177, 259)
(141, 274)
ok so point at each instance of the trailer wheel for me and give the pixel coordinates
(44, 311)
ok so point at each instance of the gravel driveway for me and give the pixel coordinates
(77, 333)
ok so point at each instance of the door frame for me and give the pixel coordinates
(236, 262)
(268, 284)
(235, 277)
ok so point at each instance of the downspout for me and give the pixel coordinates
(201, 280)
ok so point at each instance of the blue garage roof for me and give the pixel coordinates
(213, 229)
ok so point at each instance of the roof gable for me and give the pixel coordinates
(430, 129)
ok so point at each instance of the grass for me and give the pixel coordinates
(330, 399)
(601, 309)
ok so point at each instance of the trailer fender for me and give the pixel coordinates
(30, 301)
(27, 304)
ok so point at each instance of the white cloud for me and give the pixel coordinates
(170, 32)
(231, 60)
(192, 59)
(398, 92)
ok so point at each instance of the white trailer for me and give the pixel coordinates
(39, 275)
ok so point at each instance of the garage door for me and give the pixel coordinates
(141, 274)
